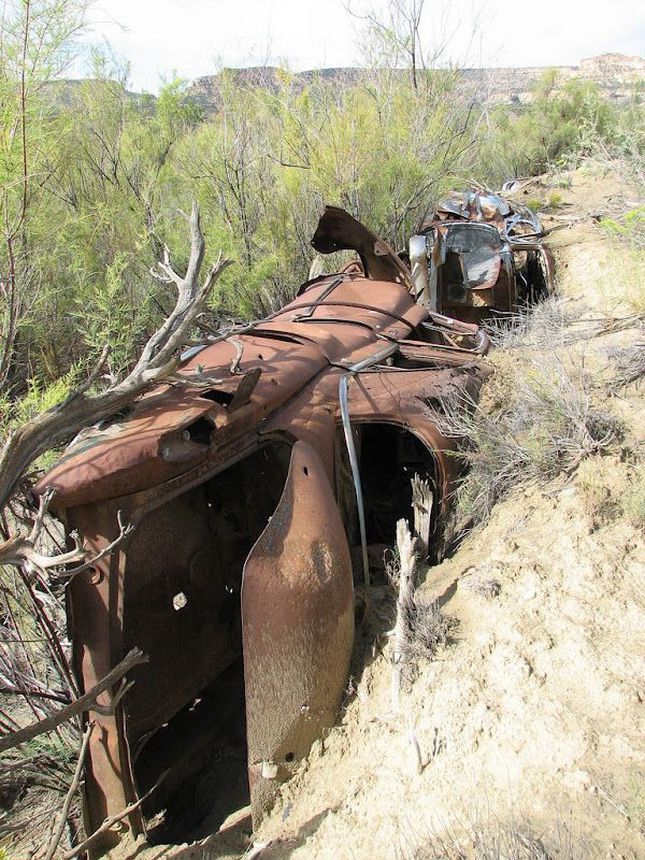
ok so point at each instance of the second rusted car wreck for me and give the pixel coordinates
(286, 450)
(480, 255)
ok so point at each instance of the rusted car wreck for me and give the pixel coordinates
(478, 255)
(285, 453)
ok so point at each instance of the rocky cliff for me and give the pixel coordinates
(619, 77)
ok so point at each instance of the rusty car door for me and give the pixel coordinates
(298, 626)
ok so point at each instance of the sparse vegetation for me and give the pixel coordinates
(538, 420)
(428, 628)
(494, 840)
(555, 200)
(629, 364)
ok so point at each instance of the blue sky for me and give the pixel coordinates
(193, 37)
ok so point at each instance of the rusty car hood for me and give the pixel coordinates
(226, 388)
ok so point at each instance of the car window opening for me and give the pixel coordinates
(389, 458)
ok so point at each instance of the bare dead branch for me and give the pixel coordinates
(406, 546)
(43, 507)
(84, 703)
(422, 506)
(124, 531)
(109, 823)
(76, 780)
(418, 759)
(19, 551)
(239, 349)
(58, 425)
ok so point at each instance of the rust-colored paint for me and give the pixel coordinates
(240, 550)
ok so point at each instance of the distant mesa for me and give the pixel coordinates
(619, 77)
(616, 75)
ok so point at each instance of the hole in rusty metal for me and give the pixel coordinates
(289, 756)
(222, 397)
(179, 601)
(306, 471)
(199, 431)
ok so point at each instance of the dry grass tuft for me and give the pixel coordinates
(34, 680)
(428, 628)
(629, 364)
(544, 425)
(493, 841)
(545, 326)
(485, 586)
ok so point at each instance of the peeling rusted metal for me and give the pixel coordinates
(239, 488)
(298, 622)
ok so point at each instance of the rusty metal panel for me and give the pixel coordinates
(298, 626)
(94, 611)
(338, 231)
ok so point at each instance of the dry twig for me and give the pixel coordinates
(84, 703)
(76, 781)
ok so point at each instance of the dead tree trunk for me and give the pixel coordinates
(160, 358)
(422, 506)
(404, 606)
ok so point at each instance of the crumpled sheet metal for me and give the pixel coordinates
(155, 443)
(338, 231)
(488, 239)
(297, 584)
(508, 217)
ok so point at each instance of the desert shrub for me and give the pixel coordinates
(629, 227)
(538, 422)
(563, 122)
(551, 323)
(534, 203)
(34, 666)
(629, 364)
(494, 840)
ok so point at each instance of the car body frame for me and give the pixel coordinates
(255, 482)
